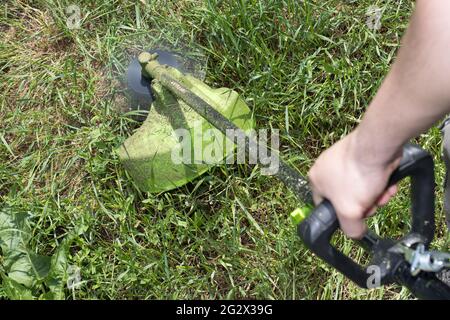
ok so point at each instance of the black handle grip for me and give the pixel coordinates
(316, 231)
(418, 164)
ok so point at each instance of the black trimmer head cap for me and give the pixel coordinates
(139, 87)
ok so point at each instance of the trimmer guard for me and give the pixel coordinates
(148, 154)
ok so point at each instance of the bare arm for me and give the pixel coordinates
(416, 92)
(353, 173)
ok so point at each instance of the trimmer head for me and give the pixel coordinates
(175, 145)
(139, 87)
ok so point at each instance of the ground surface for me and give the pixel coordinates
(307, 68)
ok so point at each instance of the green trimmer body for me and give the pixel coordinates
(158, 157)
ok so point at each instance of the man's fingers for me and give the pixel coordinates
(371, 211)
(353, 228)
(387, 195)
(393, 190)
(384, 199)
(316, 197)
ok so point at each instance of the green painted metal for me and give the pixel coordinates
(148, 154)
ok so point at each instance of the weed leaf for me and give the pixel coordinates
(26, 272)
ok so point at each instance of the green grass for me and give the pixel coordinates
(314, 63)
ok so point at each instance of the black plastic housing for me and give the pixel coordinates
(317, 230)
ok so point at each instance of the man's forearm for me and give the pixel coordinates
(416, 92)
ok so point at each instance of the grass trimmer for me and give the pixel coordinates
(180, 100)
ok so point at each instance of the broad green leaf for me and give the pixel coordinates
(25, 271)
(21, 264)
(15, 290)
(57, 277)
(14, 230)
(29, 268)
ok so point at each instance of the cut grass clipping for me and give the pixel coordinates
(73, 225)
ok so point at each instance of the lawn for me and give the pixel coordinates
(308, 68)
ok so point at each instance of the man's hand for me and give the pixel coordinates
(353, 174)
(355, 188)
